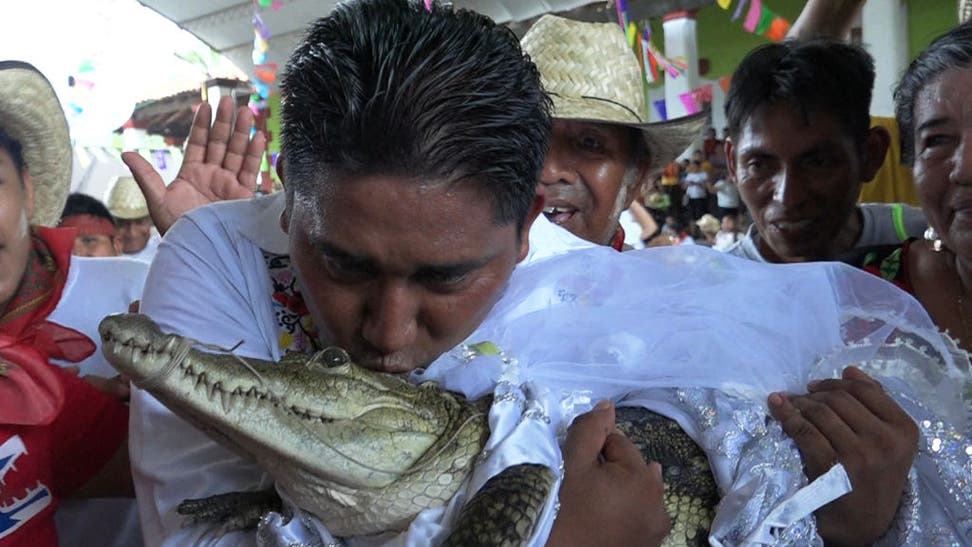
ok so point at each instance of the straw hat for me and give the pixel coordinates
(31, 114)
(592, 75)
(709, 224)
(126, 200)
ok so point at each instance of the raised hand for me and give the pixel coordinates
(219, 163)
(609, 495)
(854, 422)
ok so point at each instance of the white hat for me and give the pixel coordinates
(126, 200)
(592, 75)
(31, 114)
(709, 224)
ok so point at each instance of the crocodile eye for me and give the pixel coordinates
(334, 357)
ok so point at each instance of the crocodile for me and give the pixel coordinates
(364, 451)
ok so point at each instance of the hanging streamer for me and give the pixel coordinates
(691, 107)
(623, 16)
(662, 110)
(762, 20)
(724, 83)
(752, 18)
(264, 72)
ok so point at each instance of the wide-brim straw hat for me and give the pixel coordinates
(126, 200)
(592, 75)
(31, 114)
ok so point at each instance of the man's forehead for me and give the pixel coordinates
(592, 125)
(819, 129)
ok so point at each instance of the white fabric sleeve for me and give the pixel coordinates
(197, 287)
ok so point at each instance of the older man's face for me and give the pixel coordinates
(133, 233)
(16, 206)
(589, 177)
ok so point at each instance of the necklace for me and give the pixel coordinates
(960, 302)
(936, 244)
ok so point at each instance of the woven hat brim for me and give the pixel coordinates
(129, 213)
(665, 140)
(31, 114)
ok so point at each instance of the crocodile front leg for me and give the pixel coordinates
(234, 510)
(504, 512)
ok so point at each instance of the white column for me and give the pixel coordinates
(885, 35)
(680, 42)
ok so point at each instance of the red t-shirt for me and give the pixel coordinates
(41, 464)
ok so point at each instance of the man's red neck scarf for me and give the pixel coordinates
(30, 393)
(617, 242)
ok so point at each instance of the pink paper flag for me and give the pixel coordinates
(691, 107)
(428, 5)
(752, 18)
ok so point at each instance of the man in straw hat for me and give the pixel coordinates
(133, 225)
(603, 150)
(59, 435)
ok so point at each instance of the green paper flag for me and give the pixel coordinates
(765, 21)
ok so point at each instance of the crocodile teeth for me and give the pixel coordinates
(216, 388)
(228, 399)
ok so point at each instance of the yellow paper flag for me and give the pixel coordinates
(724, 4)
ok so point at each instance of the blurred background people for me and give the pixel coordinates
(94, 225)
(133, 225)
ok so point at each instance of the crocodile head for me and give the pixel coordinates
(319, 414)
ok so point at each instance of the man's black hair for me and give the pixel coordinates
(384, 87)
(815, 76)
(83, 204)
(13, 147)
(951, 50)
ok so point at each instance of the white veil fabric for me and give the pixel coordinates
(704, 338)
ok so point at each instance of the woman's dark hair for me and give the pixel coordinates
(384, 87)
(951, 50)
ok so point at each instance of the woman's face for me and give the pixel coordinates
(943, 157)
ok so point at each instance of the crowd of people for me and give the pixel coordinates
(455, 183)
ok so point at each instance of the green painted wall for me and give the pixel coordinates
(725, 42)
(927, 20)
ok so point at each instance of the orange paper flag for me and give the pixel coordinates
(777, 30)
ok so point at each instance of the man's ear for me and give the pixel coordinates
(730, 160)
(639, 185)
(285, 216)
(285, 219)
(532, 215)
(279, 169)
(116, 244)
(876, 149)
